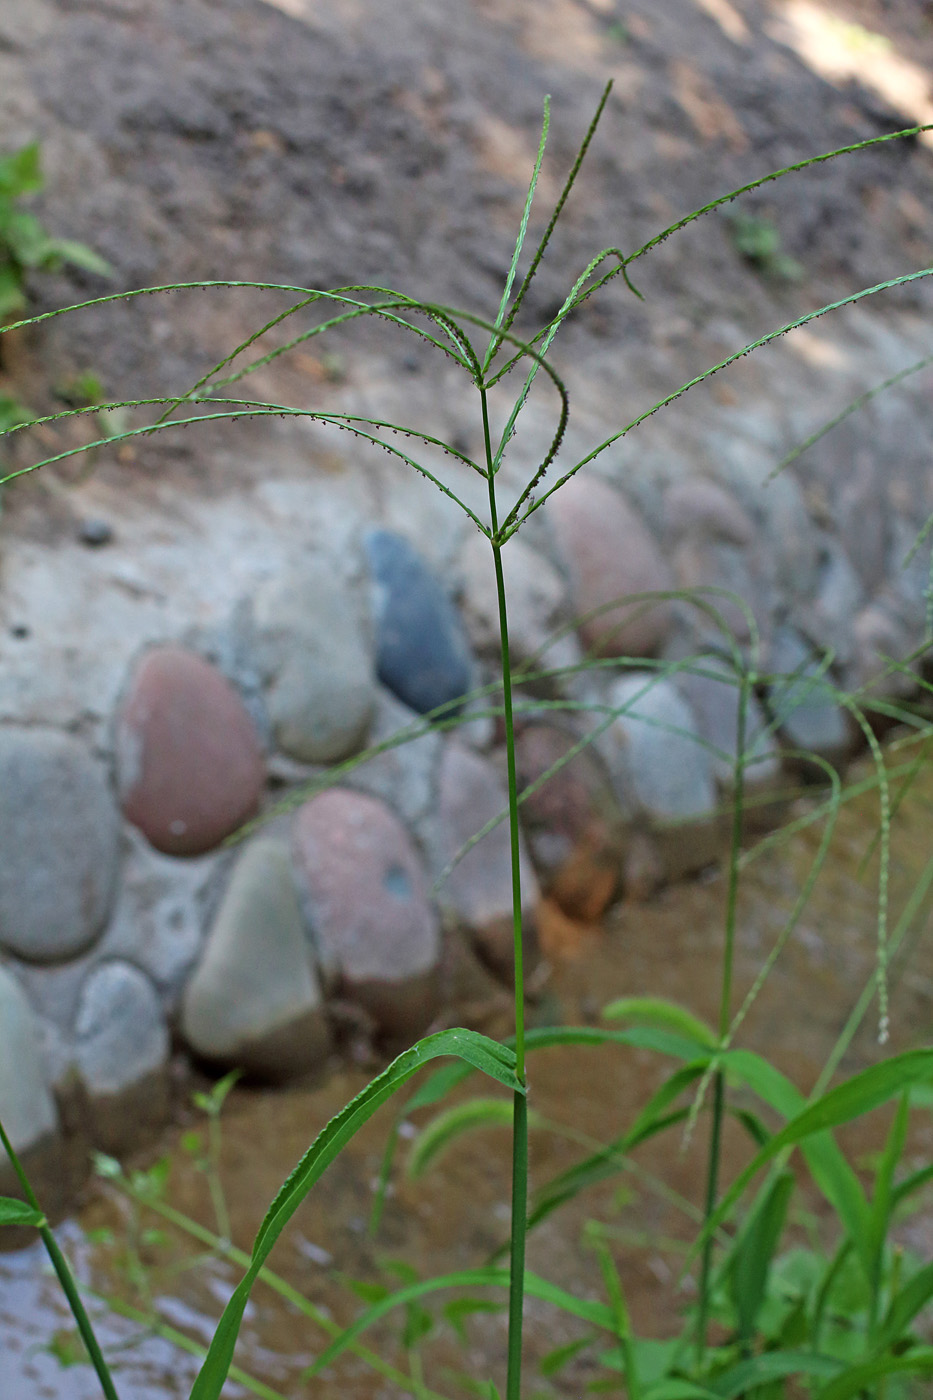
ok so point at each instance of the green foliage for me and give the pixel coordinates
(768, 1311)
(25, 246)
(759, 241)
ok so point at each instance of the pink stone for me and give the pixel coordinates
(189, 763)
(376, 932)
(610, 554)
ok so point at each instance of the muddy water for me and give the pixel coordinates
(457, 1215)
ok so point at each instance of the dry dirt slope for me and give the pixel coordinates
(318, 142)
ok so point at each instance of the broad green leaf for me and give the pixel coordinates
(915, 1182)
(597, 1314)
(674, 1389)
(14, 1212)
(654, 1011)
(443, 1081)
(479, 1051)
(458, 1309)
(435, 1137)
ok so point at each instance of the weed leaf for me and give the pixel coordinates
(479, 1051)
(14, 1212)
(596, 1314)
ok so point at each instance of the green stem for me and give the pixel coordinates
(709, 1206)
(517, 1247)
(65, 1278)
(520, 1103)
(725, 1013)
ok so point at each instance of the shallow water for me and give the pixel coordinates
(458, 1213)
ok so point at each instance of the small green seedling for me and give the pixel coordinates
(25, 246)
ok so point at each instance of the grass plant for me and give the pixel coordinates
(827, 1322)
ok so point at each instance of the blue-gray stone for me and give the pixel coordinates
(801, 700)
(121, 1035)
(422, 653)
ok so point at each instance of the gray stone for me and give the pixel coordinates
(785, 538)
(656, 759)
(255, 1000)
(159, 914)
(801, 701)
(375, 929)
(314, 650)
(59, 835)
(121, 1037)
(404, 774)
(711, 689)
(879, 638)
(27, 1108)
(477, 890)
(710, 686)
(535, 592)
(659, 758)
(839, 596)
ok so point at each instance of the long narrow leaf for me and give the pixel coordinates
(479, 1051)
(596, 1314)
(857, 1096)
